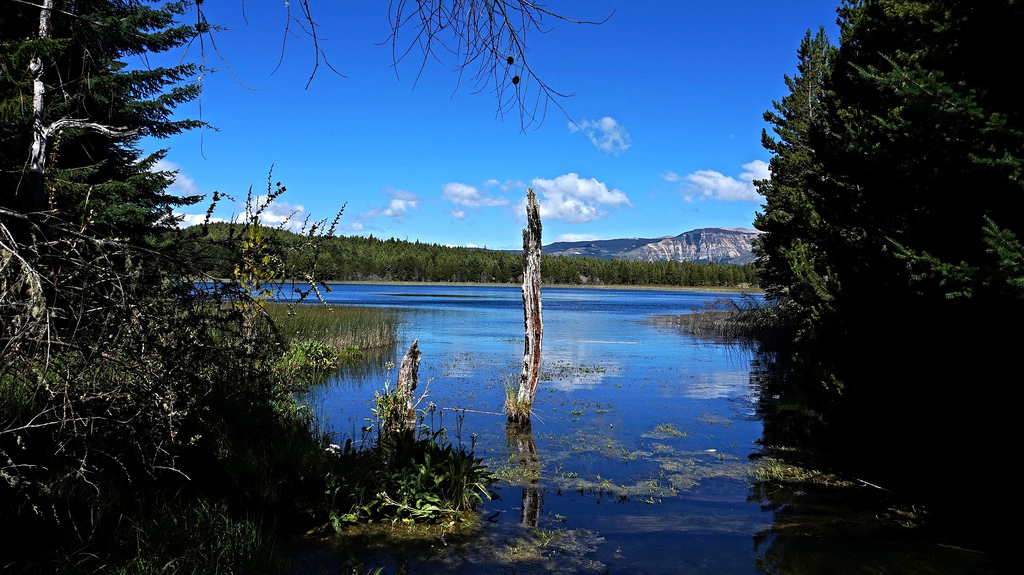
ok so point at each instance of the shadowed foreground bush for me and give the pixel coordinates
(145, 425)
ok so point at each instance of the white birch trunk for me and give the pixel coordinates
(37, 152)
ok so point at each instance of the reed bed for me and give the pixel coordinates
(745, 321)
(336, 326)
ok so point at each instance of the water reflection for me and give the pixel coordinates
(647, 436)
(519, 438)
(372, 369)
(822, 519)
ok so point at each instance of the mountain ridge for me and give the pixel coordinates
(718, 245)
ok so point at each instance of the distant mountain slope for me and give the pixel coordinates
(719, 245)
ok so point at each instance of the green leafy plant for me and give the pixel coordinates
(405, 474)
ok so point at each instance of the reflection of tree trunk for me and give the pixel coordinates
(519, 435)
(532, 319)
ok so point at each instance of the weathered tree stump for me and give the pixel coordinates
(408, 378)
(520, 408)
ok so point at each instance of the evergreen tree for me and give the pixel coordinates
(75, 109)
(923, 139)
(786, 251)
(895, 194)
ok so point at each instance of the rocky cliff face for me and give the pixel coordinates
(720, 245)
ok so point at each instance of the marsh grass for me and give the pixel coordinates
(338, 327)
(771, 469)
(197, 538)
(517, 410)
(746, 321)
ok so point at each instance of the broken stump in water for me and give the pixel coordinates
(521, 405)
(408, 378)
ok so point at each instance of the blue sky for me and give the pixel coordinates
(661, 136)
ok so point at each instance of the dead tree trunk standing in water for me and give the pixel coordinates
(520, 408)
(408, 377)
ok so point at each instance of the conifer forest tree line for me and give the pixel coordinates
(357, 258)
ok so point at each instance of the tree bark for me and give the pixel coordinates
(41, 133)
(408, 378)
(532, 317)
(37, 152)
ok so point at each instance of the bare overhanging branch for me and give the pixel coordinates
(73, 123)
(486, 40)
(489, 42)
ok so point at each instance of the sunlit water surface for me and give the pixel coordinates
(640, 455)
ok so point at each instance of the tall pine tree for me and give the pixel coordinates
(75, 104)
(786, 252)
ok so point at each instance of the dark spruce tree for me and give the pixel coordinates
(912, 178)
(789, 266)
(77, 98)
(896, 189)
(923, 141)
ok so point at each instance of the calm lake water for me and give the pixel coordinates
(643, 454)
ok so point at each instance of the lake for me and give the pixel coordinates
(645, 454)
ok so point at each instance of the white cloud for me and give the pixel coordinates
(463, 195)
(575, 200)
(278, 214)
(183, 184)
(715, 186)
(459, 214)
(186, 220)
(396, 209)
(606, 134)
(578, 238)
(401, 202)
(756, 170)
(670, 177)
(505, 186)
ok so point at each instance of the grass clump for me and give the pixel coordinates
(774, 470)
(337, 327)
(199, 538)
(745, 321)
(319, 338)
(517, 409)
(407, 478)
(408, 472)
(670, 429)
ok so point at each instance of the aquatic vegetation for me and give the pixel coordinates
(336, 326)
(408, 473)
(770, 469)
(670, 429)
(566, 371)
(746, 321)
(545, 536)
